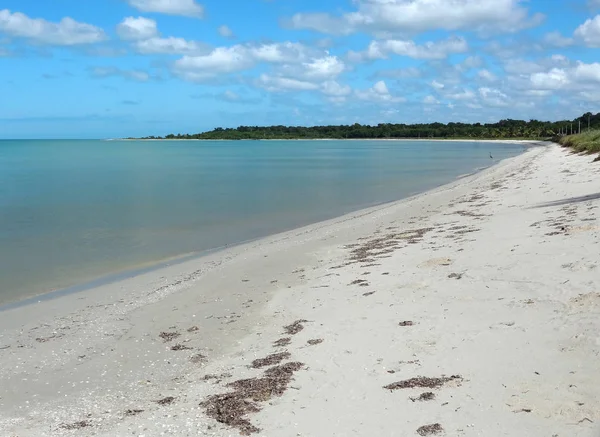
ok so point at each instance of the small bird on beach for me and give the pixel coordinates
(491, 157)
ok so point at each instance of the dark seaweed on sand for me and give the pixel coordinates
(426, 430)
(270, 360)
(295, 327)
(233, 408)
(422, 382)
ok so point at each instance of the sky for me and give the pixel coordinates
(117, 68)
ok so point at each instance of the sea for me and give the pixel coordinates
(73, 212)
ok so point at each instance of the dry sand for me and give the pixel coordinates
(471, 310)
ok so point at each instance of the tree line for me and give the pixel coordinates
(504, 129)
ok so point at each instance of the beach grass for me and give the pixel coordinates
(586, 142)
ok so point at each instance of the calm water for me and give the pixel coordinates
(72, 211)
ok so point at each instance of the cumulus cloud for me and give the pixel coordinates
(429, 50)
(188, 8)
(414, 16)
(276, 83)
(242, 57)
(170, 45)
(66, 32)
(493, 97)
(135, 75)
(145, 38)
(589, 32)
(225, 32)
(334, 89)
(556, 39)
(139, 28)
(430, 100)
(379, 92)
(577, 77)
(486, 75)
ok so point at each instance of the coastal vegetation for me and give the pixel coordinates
(504, 129)
(586, 142)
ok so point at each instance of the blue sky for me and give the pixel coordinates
(113, 68)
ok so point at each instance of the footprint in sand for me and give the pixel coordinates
(589, 302)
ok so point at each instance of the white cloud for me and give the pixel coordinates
(144, 36)
(136, 75)
(486, 75)
(243, 57)
(556, 39)
(464, 94)
(414, 16)
(170, 45)
(323, 68)
(589, 32)
(66, 32)
(429, 50)
(550, 80)
(430, 100)
(188, 8)
(379, 93)
(334, 89)
(139, 28)
(471, 62)
(493, 97)
(437, 85)
(527, 67)
(275, 83)
(225, 32)
(278, 52)
(589, 73)
(220, 60)
(580, 77)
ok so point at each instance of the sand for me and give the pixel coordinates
(470, 310)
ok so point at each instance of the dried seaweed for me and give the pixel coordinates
(270, 360)
(406, 323)
(427, 396)
(133, 412)
(169, 336)
(376, 247)
(435, 428)
(315, 341)
(422, 382)
(76, 425)
(282, 342)
(180, 347)
(166, 401)
(295, 327)
(232, 408)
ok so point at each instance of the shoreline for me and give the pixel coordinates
(467, 140)
(151, 266)
(467, 279)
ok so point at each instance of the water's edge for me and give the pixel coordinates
(112, 278)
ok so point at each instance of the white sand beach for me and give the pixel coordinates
(470, 310)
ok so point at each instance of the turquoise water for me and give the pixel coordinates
(73, 211)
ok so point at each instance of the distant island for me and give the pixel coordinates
(504, 129)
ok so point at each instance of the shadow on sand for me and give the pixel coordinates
(569, 201)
